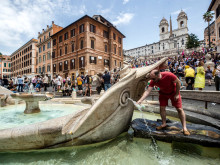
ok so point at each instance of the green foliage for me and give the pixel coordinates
(208, 16)
(0, 54)
(192, 41)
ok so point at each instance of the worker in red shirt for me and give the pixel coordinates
(169, 86)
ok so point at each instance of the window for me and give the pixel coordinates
(40, 40)
(43, 69)
(72, 32)
(65, 65)
(39, 69)
(115, 62)
(217, 11)
(43, 47)
(48, 68)
(162, 29)
(4, 64)
(119, 40)
(92, 28)
(66, 36)
(60, 66)
(119, 51)
(54, 67)
(219, 32)
(115, 49)
(106, 48)
(72, 64)
(39, 59)
(9, 64)
(60, 39)
(54, 42)
(81, 44)
(181, 24)
(182, 41)
(72, 47)
(48, 45)
(92, 59)
(105, 34)
(213, 39)
(60, 52)
(53, 54)
(44, 38)
(49, 34)
(81, 62)
(48, 55)
(92, 44)
(81, 28)
(66, 49)
(44, 58)
(39, 49)
(114, 36)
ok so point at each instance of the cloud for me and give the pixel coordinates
(22, 19)
(104, 11)
(125, 1)
(123, 18)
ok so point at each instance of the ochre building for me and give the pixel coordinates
(5, 66)
(44, 54)
(23, 60)
(87, 46)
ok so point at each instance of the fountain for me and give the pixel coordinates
(105, 120)
(31, 100)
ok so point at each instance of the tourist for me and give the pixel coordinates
(107, 80)
(217, 77)
(169, 86)
(189, 77)
(200, 76)
(99, 83)
(45, 82)
(26, 84)
(38, 86)
(11, 83)
(20, 83)
(88, 83)
(34, 80)
(54, 83)
(208, 75)
(66, 90)
(5, 81)
(59, 83)
(79, 84)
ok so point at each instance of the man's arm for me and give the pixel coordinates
(178, 84)
(144, 96)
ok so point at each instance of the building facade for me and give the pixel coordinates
(23, 60)
(170, 40)
(87, 46)
(44, 53)
(5, 66)
(212, 35)
(215, 6)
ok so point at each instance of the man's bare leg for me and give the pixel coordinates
(182, 117)
(163, 117)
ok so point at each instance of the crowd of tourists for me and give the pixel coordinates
(190, 69)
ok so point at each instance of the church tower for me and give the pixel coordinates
(163, 28)
(182, 20)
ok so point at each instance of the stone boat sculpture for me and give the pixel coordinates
(108, 117)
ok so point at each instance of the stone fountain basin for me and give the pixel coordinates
(29, 96)
(31, 100)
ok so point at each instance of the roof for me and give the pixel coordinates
(31, 40)
(86, 16)
(211, 5)
(164, 19)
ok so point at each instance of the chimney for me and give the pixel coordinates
(52, 22)
(47, 27)
(42, 30)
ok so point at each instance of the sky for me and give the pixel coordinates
(138, 20)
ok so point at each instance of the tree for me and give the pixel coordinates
(207, 18)
(0, 54)
(192, 41)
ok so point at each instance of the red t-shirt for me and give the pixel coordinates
(166, 83)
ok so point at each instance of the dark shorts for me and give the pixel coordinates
(164, 100)
(80, 87)
(190, 80)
